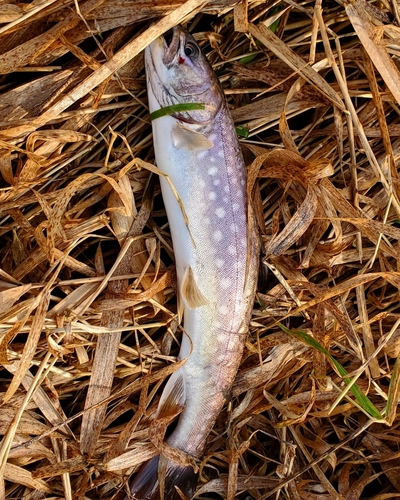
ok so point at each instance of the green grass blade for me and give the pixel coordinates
(248, 58)
(176, 108)
(242, 131)
(361, 398)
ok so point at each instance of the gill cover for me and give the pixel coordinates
(178, 72)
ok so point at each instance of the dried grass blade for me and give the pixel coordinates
(20, 475)
(135, 386)
(367, 332)
(393, 394)
(100, 381)
(345, 287)
(281, 50)
(383, 125)
(31, 343)
(382, 454)
(132, 457)
(54, 415)
(31, 12)
(348, 210)
(241, 16)
(108, 343)
(10, 296)
(288, 166)
(11, 431)
(124, 55)
(351, 109)
(367, 34)
(316, 468)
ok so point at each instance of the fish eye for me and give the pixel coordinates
(191, 50)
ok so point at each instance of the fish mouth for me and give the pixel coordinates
(172, 41)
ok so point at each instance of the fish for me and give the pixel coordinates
(216, 251)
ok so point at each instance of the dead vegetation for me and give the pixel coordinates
(89, 328)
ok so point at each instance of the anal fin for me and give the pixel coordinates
(173, 397)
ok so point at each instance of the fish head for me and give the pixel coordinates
(178, 72)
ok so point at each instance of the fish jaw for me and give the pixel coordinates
(182, 79)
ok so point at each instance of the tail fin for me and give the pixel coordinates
(145, 486)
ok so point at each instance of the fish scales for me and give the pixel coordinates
(213, 195)
(216, 258)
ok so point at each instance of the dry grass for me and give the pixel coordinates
(89, 328)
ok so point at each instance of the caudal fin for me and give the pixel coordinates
(145, 485)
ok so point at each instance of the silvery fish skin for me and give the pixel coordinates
(216, 258)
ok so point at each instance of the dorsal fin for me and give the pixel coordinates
(186, 138)
(190, 293)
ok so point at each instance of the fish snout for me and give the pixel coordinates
(171, 45)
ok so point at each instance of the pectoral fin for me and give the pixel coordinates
(186, 138)
(190, 293)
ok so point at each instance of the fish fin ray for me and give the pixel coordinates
(185, 138)
(173, 397)
(145, 486)
(190, 291)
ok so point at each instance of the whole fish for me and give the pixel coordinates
(216, 257)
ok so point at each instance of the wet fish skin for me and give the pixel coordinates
(216, 257)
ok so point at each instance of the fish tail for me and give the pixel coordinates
(146, 486)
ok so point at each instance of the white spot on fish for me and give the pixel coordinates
(220, 212)
(225, 199)
(202, 183)
(213, 137)
(216, 182)
(235, 207)
(218, 235)
(234, 180)
(219, 263)
(242, 182)
(206, 220)
(212, 196)
(223, 309)
(229, 170)
(231, 250)
(221, 153)
(225, 283)
(243, 242)
(233, 227)
(212, 159)
(227, 189)
(213, 170)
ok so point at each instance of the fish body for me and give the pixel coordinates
(216, 257)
